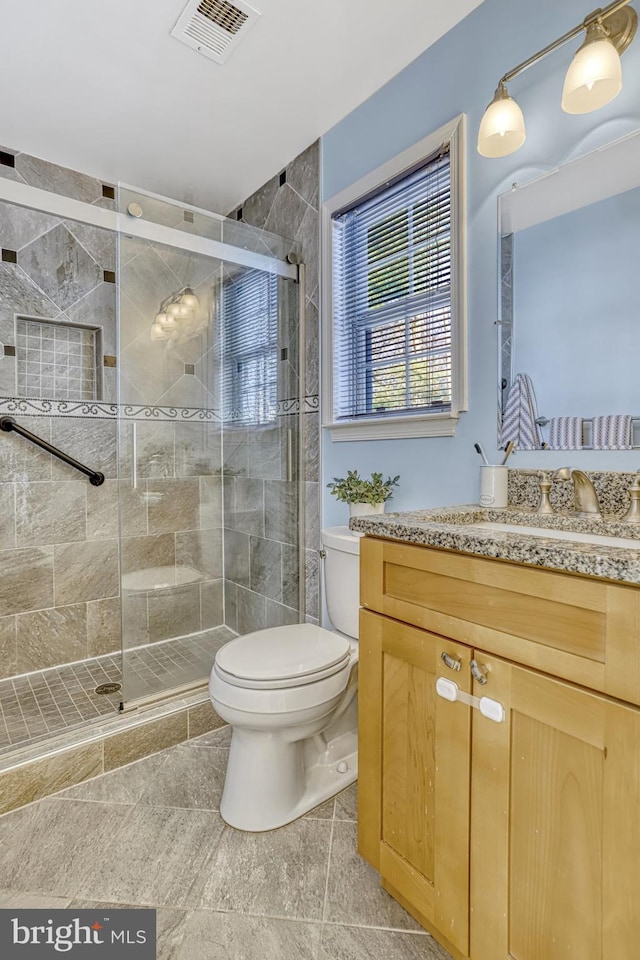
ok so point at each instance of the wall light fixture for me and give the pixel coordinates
(593, 79)
(179, 317)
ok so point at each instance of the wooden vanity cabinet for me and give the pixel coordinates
(555, 821)
(414, 773)
(512, 840)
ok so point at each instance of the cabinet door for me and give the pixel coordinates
(414, 784)
(555, 826)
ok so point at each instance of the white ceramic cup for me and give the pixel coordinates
(493, 486)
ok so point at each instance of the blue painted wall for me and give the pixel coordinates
(457, 75)
(576, 308)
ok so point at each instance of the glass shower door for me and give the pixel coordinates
(261, 445)
(209, 499)
(169, 453)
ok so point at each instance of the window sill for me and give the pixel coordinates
(396, 428)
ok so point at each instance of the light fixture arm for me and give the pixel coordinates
(597, 16)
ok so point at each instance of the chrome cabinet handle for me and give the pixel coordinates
(452, 662)
(477, 673)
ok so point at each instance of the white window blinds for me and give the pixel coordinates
(392, 298)
(250, 322)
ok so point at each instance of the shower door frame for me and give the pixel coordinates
(289, 269)
(118, 223)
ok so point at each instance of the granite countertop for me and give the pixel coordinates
(452, 528)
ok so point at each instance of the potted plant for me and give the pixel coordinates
(363, 496)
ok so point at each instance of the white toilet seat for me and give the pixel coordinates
(290, 696)
(282, 657)
(280, 684)
(281, 672)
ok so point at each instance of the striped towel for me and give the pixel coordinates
(519, 418)
(612, 433)
(565, 433)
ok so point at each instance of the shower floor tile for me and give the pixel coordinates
(49, 702)
(173, 663)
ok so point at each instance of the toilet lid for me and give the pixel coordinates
(298, 653)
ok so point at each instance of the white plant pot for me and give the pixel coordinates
(364, 509)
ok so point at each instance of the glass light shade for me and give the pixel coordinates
(502, 129)
(174, 309)
(594, 77)
(158, 332)
(166, 321)
(190, 300)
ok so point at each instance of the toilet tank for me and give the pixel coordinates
(342, 578)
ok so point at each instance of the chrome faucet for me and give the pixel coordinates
(585, 498)
(633, 513)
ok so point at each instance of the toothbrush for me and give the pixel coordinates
(478, 449)
(508, 451)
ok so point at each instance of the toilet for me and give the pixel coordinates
(289, 694)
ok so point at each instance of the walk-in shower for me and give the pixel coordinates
(158, 345)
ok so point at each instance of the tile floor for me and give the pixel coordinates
(150, 834)
(38, 705)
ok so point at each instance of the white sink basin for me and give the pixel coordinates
(554, 534)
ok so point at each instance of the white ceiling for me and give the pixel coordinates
(104, 88)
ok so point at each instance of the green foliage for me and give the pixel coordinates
(355, 489)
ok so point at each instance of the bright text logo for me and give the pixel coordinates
(30, 934)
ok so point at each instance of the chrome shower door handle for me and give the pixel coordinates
(289, 454)
(134, 456)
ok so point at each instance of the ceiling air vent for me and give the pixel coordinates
(214, 27)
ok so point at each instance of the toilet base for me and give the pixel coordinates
(270, 782)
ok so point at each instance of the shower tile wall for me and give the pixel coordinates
(59, 565)
(258, 501)
(55, 270)
(59, 575)
(59, 562)
(59, 580)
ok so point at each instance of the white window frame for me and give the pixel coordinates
(411, 425)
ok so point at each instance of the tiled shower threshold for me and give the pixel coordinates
(95, 731)
(50, 710)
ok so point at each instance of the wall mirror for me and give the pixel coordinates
(569, 305)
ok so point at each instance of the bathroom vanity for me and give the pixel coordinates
(499, 786)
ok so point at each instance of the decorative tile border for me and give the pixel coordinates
(292, 405)
(103, 411)
(284, 408)
(33, 407)
(129, 411)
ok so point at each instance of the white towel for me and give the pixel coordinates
(612, 432)
(519, 418)
(565, 433)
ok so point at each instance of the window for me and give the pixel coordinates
(397, 292)
(250, 316)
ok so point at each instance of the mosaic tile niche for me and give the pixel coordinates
(57, 361)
